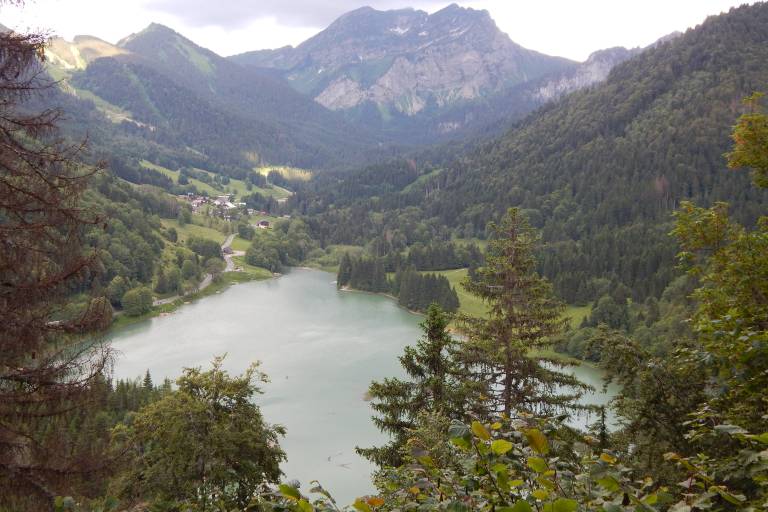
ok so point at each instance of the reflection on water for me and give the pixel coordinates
(320, 348)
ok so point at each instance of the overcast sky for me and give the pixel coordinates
(568, 28)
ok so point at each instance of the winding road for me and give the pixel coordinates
(208, 278)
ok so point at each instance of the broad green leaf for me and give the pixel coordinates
(651, 499)
(522, 506)
(426, 460)
(502, 480)
(540, 494)
(289, 492)
(501, 446)
(565, 505)
(609, 483)
(305, 506)
(546, 482)
(537, 464)
(480, 431)
(461, 443)
(610, 459)
(537, 440)
(499, 468)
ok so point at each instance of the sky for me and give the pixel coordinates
(566, 28)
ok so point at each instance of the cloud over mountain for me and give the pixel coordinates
(302, 13)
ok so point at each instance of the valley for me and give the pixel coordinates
(405, 263)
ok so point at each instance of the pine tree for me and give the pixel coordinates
(434, 385)
(522, 317)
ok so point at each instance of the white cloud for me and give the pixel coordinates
(556, 27)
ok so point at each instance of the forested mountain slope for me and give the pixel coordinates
(599, 172)
(184, 96)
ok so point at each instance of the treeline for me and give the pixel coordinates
(287, 244)
(414, 290)
(417, 291)
(433, 255)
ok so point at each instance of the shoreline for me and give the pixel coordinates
(229, 279)
(455, 331)
(381, 294)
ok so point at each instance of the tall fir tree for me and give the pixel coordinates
(523, 315)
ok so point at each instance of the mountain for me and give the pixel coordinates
(595, 69)
(184, 95)
(80, 52)
(491, 116)
(598, 171)
(395, 68)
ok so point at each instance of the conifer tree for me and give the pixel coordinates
(523, 315)
(434, 385)
(45, 370)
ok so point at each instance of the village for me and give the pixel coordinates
(224, 207)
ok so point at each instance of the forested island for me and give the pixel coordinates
(619, 224)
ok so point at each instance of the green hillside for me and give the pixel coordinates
(598, 173)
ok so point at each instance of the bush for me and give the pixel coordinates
(245, 231)
(137, 301)
(204, 247)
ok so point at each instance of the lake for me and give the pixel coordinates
(320, 347)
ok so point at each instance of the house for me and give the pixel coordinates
(263, 224)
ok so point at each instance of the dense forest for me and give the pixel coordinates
(414, 291)
(599, 173)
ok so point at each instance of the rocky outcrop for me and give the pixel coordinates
(594, 70)
(406, 60)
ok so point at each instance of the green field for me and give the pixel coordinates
(240, 244)
(254, 272)
(468, 303)
(235, 186)
(190, 229)
(577, 313)
(174, 175)
(471, 305)
(240, 189)
(289, 173)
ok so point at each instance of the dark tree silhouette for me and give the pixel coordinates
(46, 370)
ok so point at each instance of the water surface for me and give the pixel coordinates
(319, 346)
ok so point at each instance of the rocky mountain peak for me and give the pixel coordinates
(405, 61)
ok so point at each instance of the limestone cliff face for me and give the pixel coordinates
(594, 70)
(406, 61)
